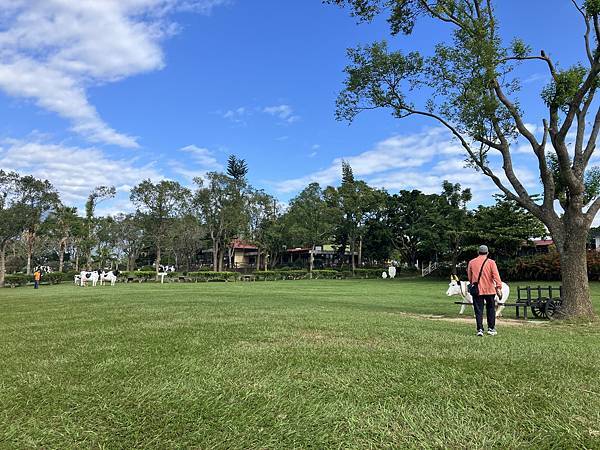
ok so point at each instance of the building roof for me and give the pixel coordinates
(238, 244)
(543, 242)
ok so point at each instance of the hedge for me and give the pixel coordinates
(213, 276)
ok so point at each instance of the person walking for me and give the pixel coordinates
(483, 271)
(37, 276)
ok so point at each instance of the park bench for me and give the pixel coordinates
(247, 278)
(184, 279)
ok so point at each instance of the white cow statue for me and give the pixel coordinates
(89, 276)
(461, 288)
(392, 271)
(110, 276)
(384, 275)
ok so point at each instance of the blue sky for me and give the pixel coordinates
(115, 91)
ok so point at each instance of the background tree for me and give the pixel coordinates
(356, 202)
(505, 227)
(220, 200)
(310, 221)
(473, 86)
(86, 245)
(158, 204)
(62, 224)
(131, 237)
(455, 218)
(37, 198)
(237, 167)
(12, 216)
(263, 213)
(186, 235)
(416, 225)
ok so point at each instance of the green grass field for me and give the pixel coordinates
(322, 364)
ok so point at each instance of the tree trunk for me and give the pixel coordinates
(352, 245)
(30, 238)
(2, 263)
(61, 257)
(77, 261)
(215, 256)
(311, 261)
(577, 303)
(157, 260)
(360, 242)
(220, 256)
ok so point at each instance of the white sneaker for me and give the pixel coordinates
(480, 333)
(492, 332)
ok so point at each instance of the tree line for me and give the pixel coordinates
(176, 224)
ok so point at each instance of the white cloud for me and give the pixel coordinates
(51, 51)
(203, 161)
(283, 112)
(73, 171)
(393, 153)
(415, 161)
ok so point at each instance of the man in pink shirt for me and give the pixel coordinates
(483, 270)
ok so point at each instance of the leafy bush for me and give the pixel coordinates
(139, 274)
(368, 273)
(545, 267)
(19, 279)
(327, 274)
(288, 274)
(213, 276)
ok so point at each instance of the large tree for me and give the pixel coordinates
(130, 237)
(158, 205)
(12, 216)
(416, 224)
(310, 220)
(357, 203)
(456, 218)
(221, 202)
(472, 87)
(62, 225)
(89, 241)
(38, 198)
(505, 227)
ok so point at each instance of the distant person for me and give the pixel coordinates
(483, 271)
(37, 276)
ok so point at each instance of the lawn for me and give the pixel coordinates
(341, 363)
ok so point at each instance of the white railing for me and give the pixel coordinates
(428, 269)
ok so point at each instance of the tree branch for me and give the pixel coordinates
(591, 145)
(542, 57)
(590, 215)
(586, 36)
(523, 198)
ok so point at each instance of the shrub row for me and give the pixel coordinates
(213, 276)
(21, 279)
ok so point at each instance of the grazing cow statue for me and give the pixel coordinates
(461, 288)
(392, 271)
(110, 276)
(89, 276)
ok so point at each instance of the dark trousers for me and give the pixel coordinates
(36, 284)
(490, 310)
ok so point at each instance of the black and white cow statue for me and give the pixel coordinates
(109, 276)
(166, 269)
(85, 277)
(461, 288)
(43, 269)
